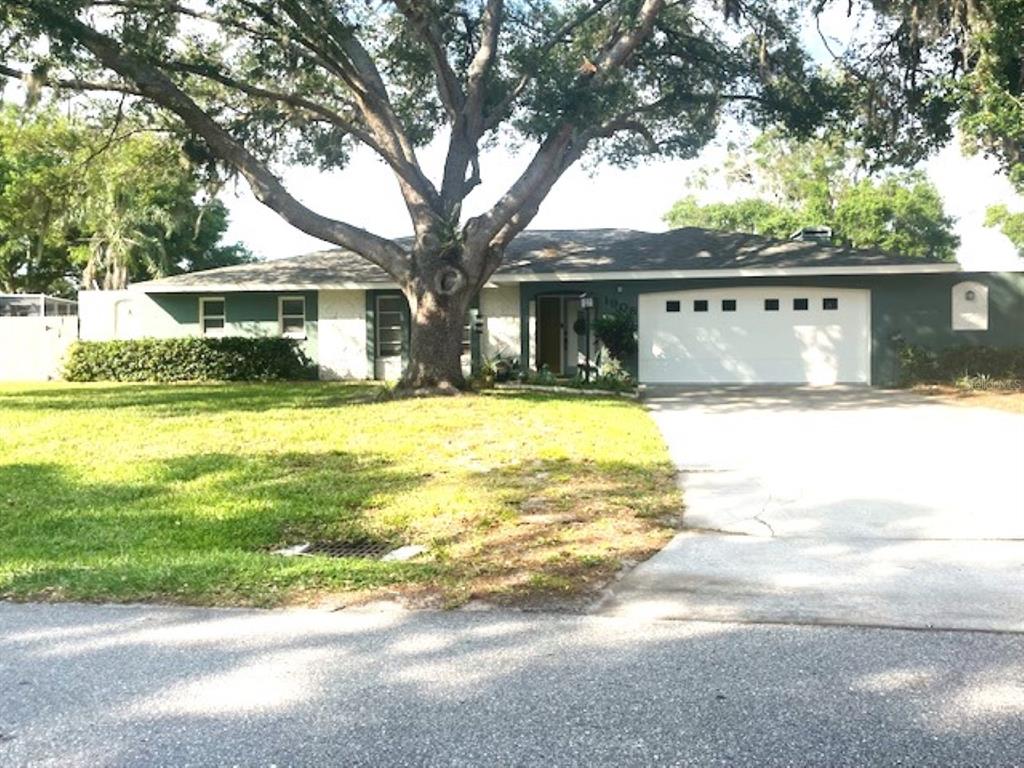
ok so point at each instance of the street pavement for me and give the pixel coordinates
(87, 685)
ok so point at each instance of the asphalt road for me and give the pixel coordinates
(122, 686)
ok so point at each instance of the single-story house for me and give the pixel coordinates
(710, 307)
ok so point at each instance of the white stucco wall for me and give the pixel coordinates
(342, 327)
(500, 308)
(33, 348)
(109, 315)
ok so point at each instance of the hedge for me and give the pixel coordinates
(231, 358)
(920, 365)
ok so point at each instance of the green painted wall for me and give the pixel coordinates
(247, 313)
(916, 308)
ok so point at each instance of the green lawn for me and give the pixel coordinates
(180, 493)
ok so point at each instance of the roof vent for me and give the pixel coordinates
(813, 235)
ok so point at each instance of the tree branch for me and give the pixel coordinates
(406, 172)
(448, 87)
(72, 84)
(361, 74)
(490, 29)
(497, 114)
(154, 85)
(512, 213)
(468, 123)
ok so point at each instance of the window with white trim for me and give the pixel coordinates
(291, 316)
(212, 315)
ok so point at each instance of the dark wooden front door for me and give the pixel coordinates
(549, 333)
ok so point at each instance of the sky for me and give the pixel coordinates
(366, 194)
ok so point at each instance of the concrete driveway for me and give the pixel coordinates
(841, 505)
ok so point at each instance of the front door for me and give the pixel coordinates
(549, 333)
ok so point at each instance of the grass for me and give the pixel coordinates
(1007, 395)
(1008, 399)
(179, 493)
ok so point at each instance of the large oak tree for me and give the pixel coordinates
(255, 83)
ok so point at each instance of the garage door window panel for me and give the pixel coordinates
(800, 305)
(700, 305)
(771, 305)
(728, 305)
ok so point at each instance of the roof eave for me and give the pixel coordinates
(724, 273)
(156, 286)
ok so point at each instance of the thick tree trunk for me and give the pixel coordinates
(439, 295)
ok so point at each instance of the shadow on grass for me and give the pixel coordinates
(568, 527)
(200, 529)
(196, 528)
(190, 399)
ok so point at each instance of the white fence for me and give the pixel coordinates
(35, 333)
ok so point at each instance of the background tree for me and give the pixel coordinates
(793, 184)
(36, 184)
(964, 60)
(992, 100)
(100, 206)
(256, 82)
(139, 210)
(1010, 222)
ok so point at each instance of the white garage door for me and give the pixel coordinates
(756, 335)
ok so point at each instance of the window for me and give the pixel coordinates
(212, 316)
(389, 326)
(467, 332)
(291, 316)
(700, 305)
(671, 306)
(771, 305)
(728, 305)
(800, 305)
(830, 303)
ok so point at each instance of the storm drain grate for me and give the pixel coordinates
(371, 550)
(367, 550)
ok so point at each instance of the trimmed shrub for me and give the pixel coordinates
(231, 358)
(919, 365)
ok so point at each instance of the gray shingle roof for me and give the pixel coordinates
(564, 252)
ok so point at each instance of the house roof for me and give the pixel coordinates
(566, 254)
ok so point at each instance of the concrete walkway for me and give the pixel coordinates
(845, 505)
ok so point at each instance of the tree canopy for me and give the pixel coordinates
(821, 182)
(251, 84)
(85, 206)
(992, 101)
